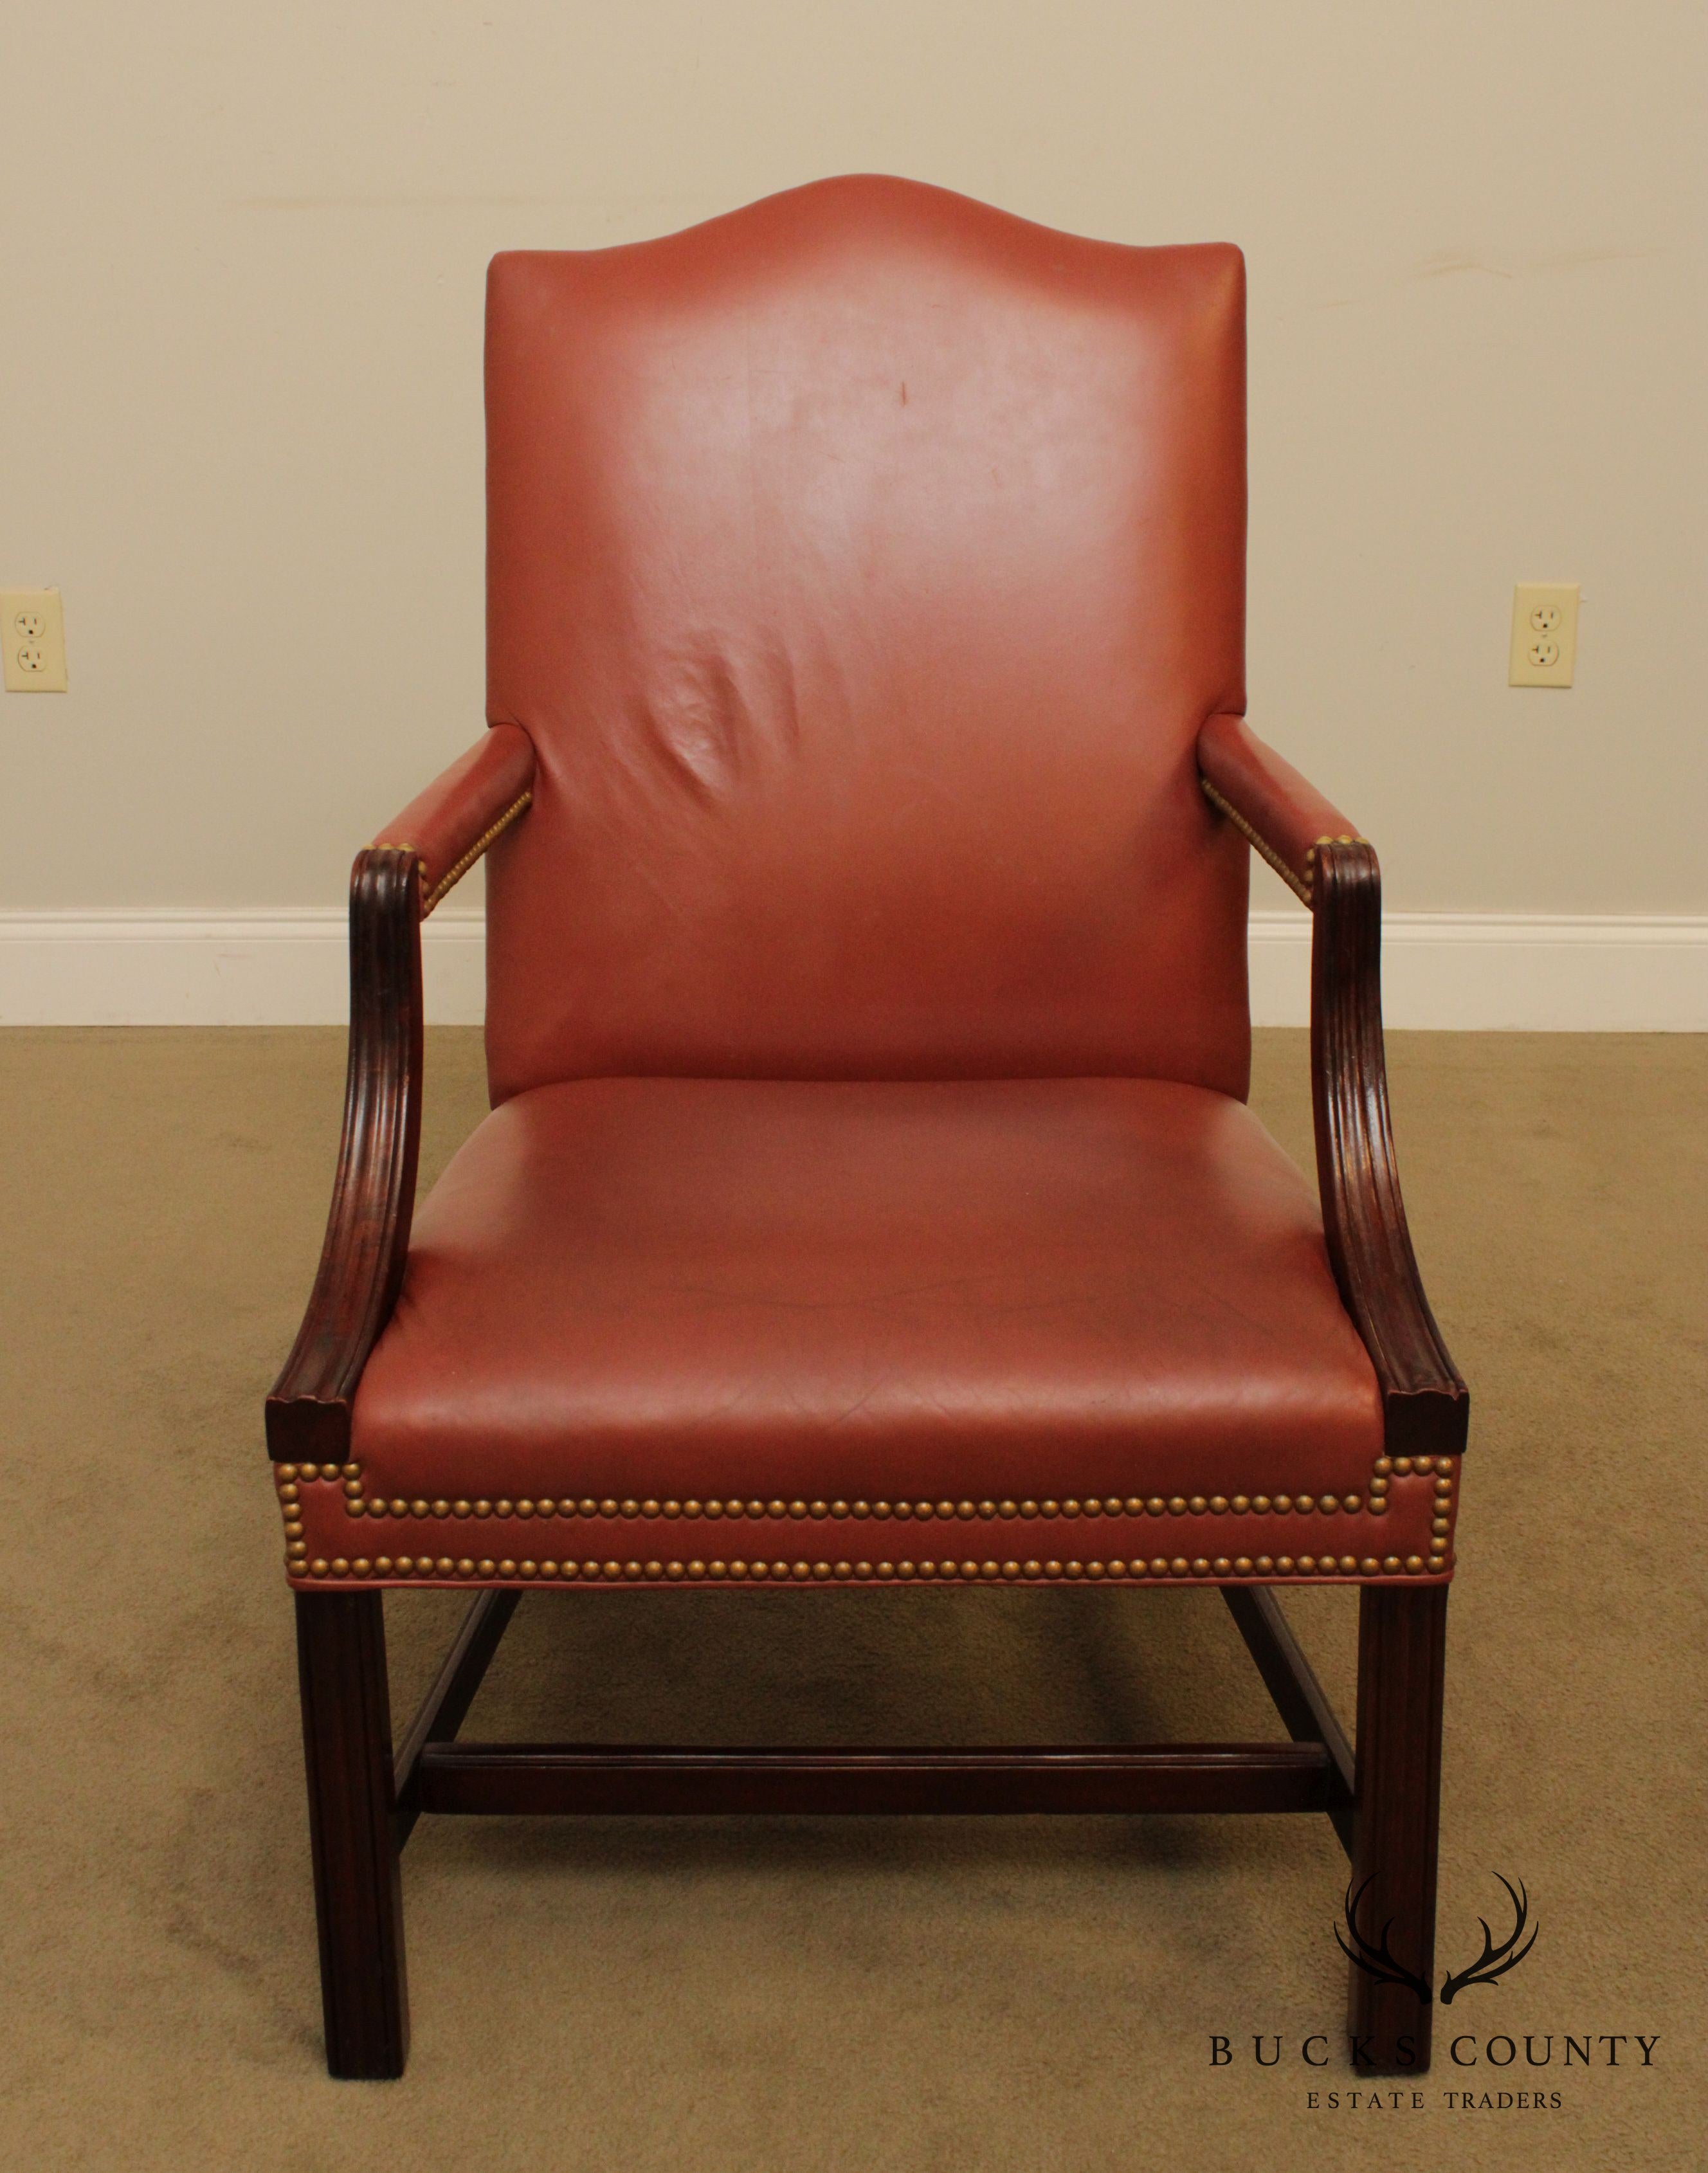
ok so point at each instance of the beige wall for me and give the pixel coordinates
(241, 304)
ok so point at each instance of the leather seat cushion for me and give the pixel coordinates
(666, 1289)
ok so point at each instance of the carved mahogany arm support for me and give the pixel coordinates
(1314, 848)
(393, 886)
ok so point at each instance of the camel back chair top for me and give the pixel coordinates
(862, 567)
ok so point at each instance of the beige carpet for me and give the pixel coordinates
(954, 1994)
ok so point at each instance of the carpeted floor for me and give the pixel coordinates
(954, 1994)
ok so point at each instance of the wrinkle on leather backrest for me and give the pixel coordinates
(862, 566)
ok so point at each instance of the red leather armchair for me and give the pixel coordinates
(869, 1197)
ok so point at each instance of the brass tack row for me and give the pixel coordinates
(1300, 885)
(1310, 851)
(804, 1572)
(453, 876)
(1156, 1505)
(297, 1564)
(1441, 1523)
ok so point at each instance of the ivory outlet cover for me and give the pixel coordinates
(32, 635)
(1544, 633)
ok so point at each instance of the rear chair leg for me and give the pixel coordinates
(358, 1900)
(1402, 1641)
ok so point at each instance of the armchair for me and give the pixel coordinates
(869, 1197)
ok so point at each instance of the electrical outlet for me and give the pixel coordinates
(32, 634)
(1544, 633)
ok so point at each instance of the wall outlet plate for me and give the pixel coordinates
(32, 635)
(1544, 634)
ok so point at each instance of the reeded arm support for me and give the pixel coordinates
(307, 1413)
(1311, 845)
(393, 886)
(1425, 1405)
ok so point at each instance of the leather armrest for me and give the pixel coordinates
(451, 824)
(1285, 817)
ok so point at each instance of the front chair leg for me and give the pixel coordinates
(1402, 1641)
(358, 1900)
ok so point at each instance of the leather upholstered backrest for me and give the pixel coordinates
(862, 565)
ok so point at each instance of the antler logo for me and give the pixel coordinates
(1377, 1961)
(1380, 1962)
(1493, 1963)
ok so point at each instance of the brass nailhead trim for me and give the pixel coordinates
(741, 1571)
(290, 1478)
(1156, 1505)
(454, 876)
(1346, 837)
(1300, 886)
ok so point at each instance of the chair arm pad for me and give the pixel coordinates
(449, 826)
(1285, 817)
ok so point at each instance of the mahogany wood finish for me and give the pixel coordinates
(511, 1778)
(445, 1706)
(359, 1903)
(367, 1241)
(1297, 1695)
(1402, 1647)
(1426, 1406)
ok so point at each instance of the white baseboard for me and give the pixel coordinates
(180, 968)
(1488, 972)
(1538, 972)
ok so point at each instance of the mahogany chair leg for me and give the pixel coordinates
(358, 1898)
(1402, 1644)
